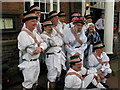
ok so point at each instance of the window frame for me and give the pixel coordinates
(45, 1)
(14, 18)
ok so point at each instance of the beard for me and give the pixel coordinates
(49, 31)
(78, 29)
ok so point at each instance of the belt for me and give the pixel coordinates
(51, 53)
(30, 60)
(77, 46)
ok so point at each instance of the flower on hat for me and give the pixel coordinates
(76, 20)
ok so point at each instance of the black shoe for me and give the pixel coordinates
(105, 85)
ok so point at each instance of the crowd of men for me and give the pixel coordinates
(74, 47)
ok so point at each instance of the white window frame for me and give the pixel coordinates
(45, 1)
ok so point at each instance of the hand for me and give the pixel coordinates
(37, 50)
(98, 79)
(77, 53)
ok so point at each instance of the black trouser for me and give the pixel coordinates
(101, 33)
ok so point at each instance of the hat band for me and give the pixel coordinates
(44, 25)
(29, 18)
(75, 60)
(53, 16)
(62, 15)
(99, 46)
(79, 22)
(36, 9)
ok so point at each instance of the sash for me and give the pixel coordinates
(76, 37)
(23, 52)
(73, 73)
(38, 43)
(58, 32)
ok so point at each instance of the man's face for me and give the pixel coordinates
(62, 19)
(54, 19)
(77, 66)
(31, 23)
(89, 21)
(38, 13)
(48, 29)
(91, 28)
(100, 50)
(78, 26)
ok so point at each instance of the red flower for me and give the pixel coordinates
(78, 19)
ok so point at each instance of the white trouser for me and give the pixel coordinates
(105, 73)
(55, 63)
(90, 78)
(31, 73)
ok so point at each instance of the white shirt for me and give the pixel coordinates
(55, 40)
(69, 38)
(100, 24)
(84, 28)
(94, 63)
(25, 40)
(72, 81)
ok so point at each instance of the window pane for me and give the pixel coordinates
(8, 23)
(48, 7)
(2, 23)
(42, 18)
(27, 6)
(42, 6)
(55, 7)
(55, 1)
(36, 3)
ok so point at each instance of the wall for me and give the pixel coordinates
(9, 41)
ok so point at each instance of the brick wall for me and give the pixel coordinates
(9, 39)
(64, 6)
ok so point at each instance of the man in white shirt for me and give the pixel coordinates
(100, 26)
(55, 57)
(99, 62)
(78, 77)
(30, 45)
(75, 39)
(62, 18)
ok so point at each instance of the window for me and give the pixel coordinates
(6, 23)
(45, 5)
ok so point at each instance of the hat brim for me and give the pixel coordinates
(47, 25)
(62, 15)
(53, 16)
(35, 10)
(78, 22)
(98, 47)
(29, 18)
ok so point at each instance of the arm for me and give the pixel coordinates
(25, 42)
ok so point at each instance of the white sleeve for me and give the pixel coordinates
(97, 24)
(43, 45)
(105, 57)
(69, 81)
(91, 63)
